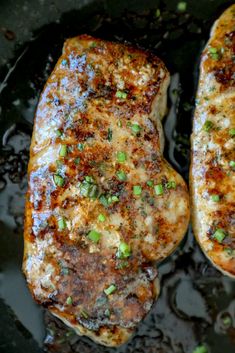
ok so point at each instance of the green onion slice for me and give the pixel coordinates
(158, 189)
(94, 236)
(137, 190)
(112, 288)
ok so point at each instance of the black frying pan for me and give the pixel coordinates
(197, 303)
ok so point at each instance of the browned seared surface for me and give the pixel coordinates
(213, 148)
(103, 205)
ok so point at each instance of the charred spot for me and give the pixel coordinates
(229, 242)
(69, 202)
(51, 300)
(154, 156)
(115, 186)
(225, 75)
(64, 284)
(230, 40)
(213, 110)
(37, 204)
(81, 134)
(215, 173)
(103, 90)
(148, 137)
(151, 165)
(132, 297)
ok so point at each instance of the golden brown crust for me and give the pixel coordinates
(212, 176)
(96, 145)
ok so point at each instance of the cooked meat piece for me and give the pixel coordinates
(103, 204)
(213, 148)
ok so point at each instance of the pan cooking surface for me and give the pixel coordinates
(197, 303)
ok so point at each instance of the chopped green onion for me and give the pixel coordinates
(182, 6)
(158, 189)
(62, 223)
(219, 235)
(58, 133)
(122, 265)
(101, 217)
(121, 175)
(208, 125)
(107, 200)
(137, 190)
(69, 301)
(232, 132)
(85, 188)
(124, 250)
(135, 128)
(214, 54)
(110, 135)
(158, 13)
(200, 349)
(64, 271)
(232, 164)
(63, 151)
(89, 179)
(113, 198)
(59, 163)
(88, 190)
(84, 314)
(119, 124)
(121, 157)
(110, 289)
(121, 94)
(80, 146)
(107, 313)
(215, 198)
(229, 251)
(212, 50)
(150, 183)
(93, 45)
(93, 193)
(58, 180)
(227, 320)
(171, 184)
(104, 201)
(94, 236)
(77, 160)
